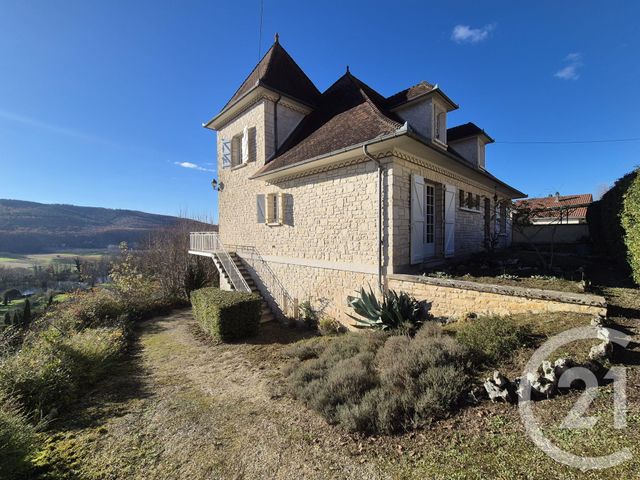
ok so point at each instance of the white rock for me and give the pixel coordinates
(601, 351)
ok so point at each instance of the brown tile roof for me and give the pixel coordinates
(463, 131)
(349, 112)
(563, 201)
(409, 94)
(279, 72)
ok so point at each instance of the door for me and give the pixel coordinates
(429, 244)
(417, 218)
(449, 220)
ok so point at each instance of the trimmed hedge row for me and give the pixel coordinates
(614, 223)
(226, 316)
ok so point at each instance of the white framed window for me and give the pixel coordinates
(441, 125)
(469, 201)
(241, 149)
(274, 209)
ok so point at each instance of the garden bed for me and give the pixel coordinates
(520, 268)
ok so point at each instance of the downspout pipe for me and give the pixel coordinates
(380, 226)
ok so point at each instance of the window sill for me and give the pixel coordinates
(440, 143)
(470, 210)
(238, 167)
(273, 224)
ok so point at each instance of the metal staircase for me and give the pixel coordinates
(233, 273)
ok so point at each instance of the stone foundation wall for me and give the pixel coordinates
(326, 287)
(453, 298)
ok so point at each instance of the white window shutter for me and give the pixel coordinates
(260, 204)
(245, 145)
(281, 202)
(417, 219)
(226, 153)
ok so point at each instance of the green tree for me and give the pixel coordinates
(26, 313)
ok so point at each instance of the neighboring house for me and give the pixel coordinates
(558, 209)
(323, 193)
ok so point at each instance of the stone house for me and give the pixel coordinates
(323, 193)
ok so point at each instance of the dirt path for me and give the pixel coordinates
(182, 408)
(188, 409)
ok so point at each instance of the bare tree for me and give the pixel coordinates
(166, 258)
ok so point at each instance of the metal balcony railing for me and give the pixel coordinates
(209, 242)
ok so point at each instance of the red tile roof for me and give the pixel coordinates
(561, 201)
(278, 71)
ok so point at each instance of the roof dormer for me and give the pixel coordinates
(469, 142)
(424, 107)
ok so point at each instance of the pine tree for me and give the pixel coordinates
(26, 313)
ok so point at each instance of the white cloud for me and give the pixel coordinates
(570, 71)
(193, 166)
(466, 34)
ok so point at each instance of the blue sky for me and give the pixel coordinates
(100, 101)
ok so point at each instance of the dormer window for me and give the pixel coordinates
(441, 125)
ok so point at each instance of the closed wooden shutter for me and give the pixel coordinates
(260, 207)
(253, 145)
(417, 219)
(226, 153)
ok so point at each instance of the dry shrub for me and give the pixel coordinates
(374, 382)
(18, 439)
(492, 339)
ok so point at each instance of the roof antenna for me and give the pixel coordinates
(260, 35)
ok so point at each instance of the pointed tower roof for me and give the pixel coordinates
(279, 72)
(349, 112)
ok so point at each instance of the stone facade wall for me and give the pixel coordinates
(469, 234)
(327, 246)
(453, 298)
(326, 288)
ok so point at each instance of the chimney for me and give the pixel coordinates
(557, 195)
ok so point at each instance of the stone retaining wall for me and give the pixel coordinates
(455, 298)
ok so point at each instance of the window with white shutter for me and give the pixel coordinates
(245, 145)
(236, 150)
(226, 153)
(275, 208)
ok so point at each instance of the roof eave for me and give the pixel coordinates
(259, 88)
(325, 158)
(514, 192)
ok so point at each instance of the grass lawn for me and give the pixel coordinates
(10, 260)
(180, 407)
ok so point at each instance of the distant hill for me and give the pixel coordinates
(30, 227)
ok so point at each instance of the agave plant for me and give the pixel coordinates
(394, 310)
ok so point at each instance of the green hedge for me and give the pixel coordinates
(614, 223)
(225, 315)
